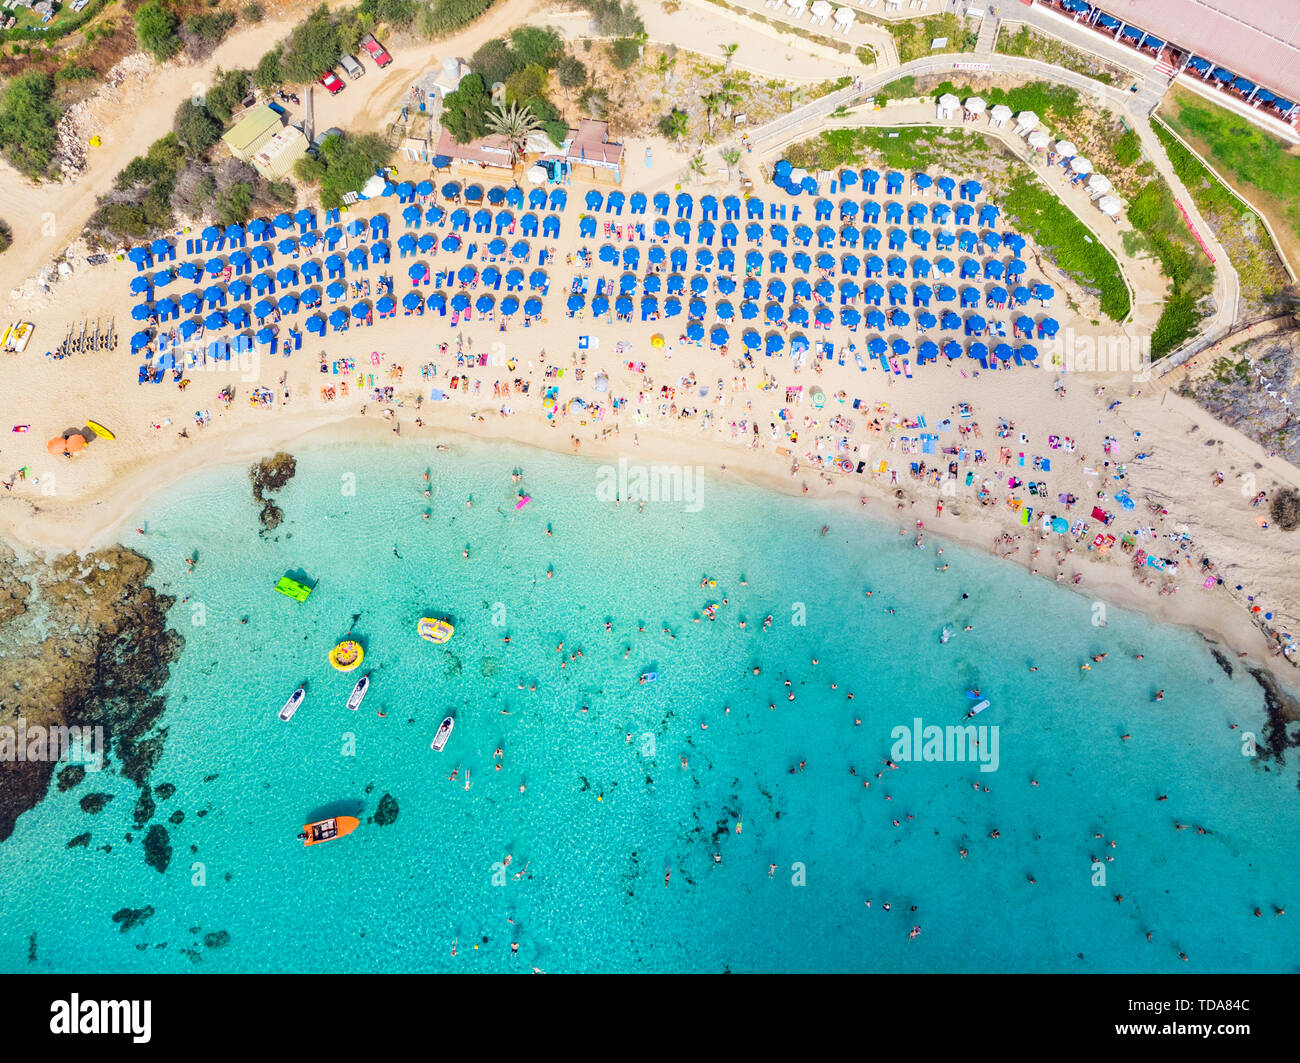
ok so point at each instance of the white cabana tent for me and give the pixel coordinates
(1080, 165)
(374, 187)
(536, 175)
(975, 107)
(1025, 122)
(796, 8)
(947, 106)
(1098, 185)
(821, 11)
(845, 17)
(1039, 139)
(999, 115)
(1110, 206)
(1066, 150)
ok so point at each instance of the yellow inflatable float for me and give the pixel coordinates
(347, 655)
(434, 630)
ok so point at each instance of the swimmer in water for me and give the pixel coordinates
(1160, 696)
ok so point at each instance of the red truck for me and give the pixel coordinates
(332, 82)
(376, 51)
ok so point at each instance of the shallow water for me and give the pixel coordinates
(603, 817)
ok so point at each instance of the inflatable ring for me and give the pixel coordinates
(431, 630)
(347, 656)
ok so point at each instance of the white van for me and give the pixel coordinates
(353, 69)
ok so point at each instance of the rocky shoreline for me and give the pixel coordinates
(85, 643)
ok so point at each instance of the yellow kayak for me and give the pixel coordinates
(434, 630)
(347, 656)
(100, 430)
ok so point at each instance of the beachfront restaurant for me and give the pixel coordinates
(1253, 56)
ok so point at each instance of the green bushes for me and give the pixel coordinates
(624, 52)
(1127, 148)
(1050, 224)
(196, 130)
(156, 27)
(523, 63)
(345, 164)
(1154, 212)
(28, 117)
(614, 19)
(6, 237)
(203, 32)
(444, 17)
(150, 179)
(1048, 101)
(228, 92)
(312, 48)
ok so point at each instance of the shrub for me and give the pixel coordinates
(624, 52)
(227, 93)
(313, 47)
(6, 236)
(28, 118)
(196, 130)
(494, 62)
(269, 73)
(571, 73)
(524, 84)
(443, 17)
(535, 44)
(1285, 509)
(464, 111)
(614, 19)
(155, 30)
(251, 13)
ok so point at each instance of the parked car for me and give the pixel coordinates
(353, 69)
(376, 51)
(332, 82)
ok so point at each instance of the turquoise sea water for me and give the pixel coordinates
(601, 818)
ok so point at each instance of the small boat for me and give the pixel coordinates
(291, 706)
(444, 732)
(299, 592)
(980, 707)
(359, 692)
(434, 630)
(648, 677)
(20, 334)
(347, 656)
(326, 830)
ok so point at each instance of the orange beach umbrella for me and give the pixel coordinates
(57, 445)
(76, 442)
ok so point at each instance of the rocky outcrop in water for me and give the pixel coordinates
(129, 918)
(88, 647)
(158, 848)
(269, 475)
(386, 813)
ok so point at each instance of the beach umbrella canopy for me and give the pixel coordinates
(1048, 326)
(537, 279)
(698, 308)
(774, 312)
(1002, 352)
(575, 302)
(57, 445)
(338, 318)
(75, 442)
(751, 339)
(876, 346)
(695, 331)
(360, 311)
(719, 336)
(140, 312)
(799, 315)
(316, 324)
(265, 335)
(672, 306)
(1060, 525)
(484, 303)
(951, 350)
(411, 301)
(774, 343)
(725, 311)
(532, 307)
(623, 305)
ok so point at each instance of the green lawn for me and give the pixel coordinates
(1258, 164)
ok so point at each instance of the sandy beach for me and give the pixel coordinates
(983, 436)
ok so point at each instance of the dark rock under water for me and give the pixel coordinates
(386, 813)
(83, 642)
(267, 476)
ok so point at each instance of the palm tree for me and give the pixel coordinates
(515, 125)
(728, 51)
